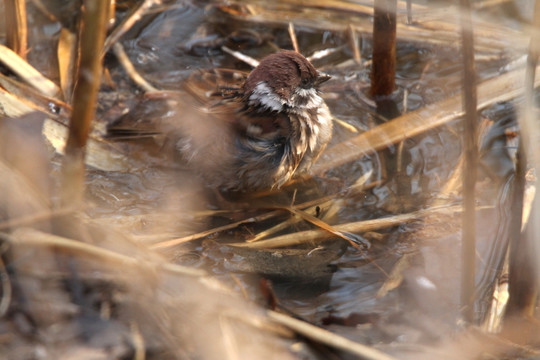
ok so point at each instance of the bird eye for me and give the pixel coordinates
(305, 82)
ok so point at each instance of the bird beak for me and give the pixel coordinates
(322, 78)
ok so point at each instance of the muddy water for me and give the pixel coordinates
(159, 201)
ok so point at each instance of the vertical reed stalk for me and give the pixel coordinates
(94, 26)
(523, 277)
(16, 27)
(468, 247)
(383, 71)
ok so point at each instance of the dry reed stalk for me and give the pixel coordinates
(84, 99)
(66, 53)
(383, 70)
(178, 241)
(28, 94)
(310, 236)
(16, 26)
(329, 200)
(468, 243)
(502, 88)
(523, 272)
(27, 72)
(435, 27)
(326, 337)
(34, 218)
(323, 226)
(111, 18)
(331, 204)
(522, 286)
(127, 23)
(30, 237)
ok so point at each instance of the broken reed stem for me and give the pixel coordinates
(84, 99)
(468, 246)
(383, 70)
(523, 282)
(16, 27)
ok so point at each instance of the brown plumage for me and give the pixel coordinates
(256, 136)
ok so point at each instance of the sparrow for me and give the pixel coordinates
(257, 132)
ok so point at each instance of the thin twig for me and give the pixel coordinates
(127, 23)
(319, 54)
(292, 35)
(178, 241)
(345, 125)
(330, 202)
(328, 338)
(130, 69)
(354, 227)
(322, 225)
(247, 59)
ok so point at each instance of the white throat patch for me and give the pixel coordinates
(305, 99)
